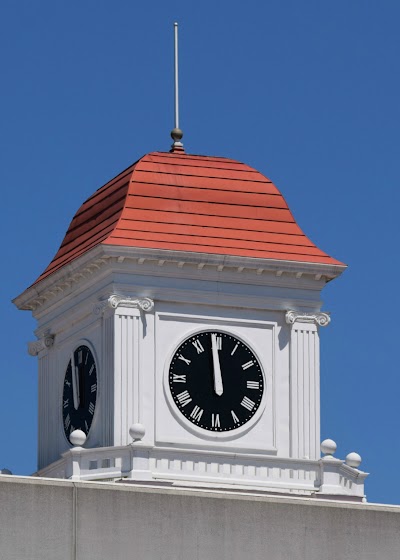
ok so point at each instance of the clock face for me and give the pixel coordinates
(216, 381)
(80, 391)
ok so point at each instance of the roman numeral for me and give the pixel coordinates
(218, 340)
(253, 384)
(91, 369)
(197, 413)
(68, 383)
(67, 422)
(248, 364)
(247, 403)
(80, 357)
(215, 423)
(72, 429)
(86, 426)
(197, 344)
(176, 378)
(235, 418)
(66, 402)
(87, 356)
(180, 357)
(184, 398)
(93, 388)
(234, 350)
(91, 408)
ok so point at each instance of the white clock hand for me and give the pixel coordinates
(218, 387)
(75, 382)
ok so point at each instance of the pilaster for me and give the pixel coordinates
(304, 383)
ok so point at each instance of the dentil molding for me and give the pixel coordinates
(321, 319)
(37, 346)
(115, 301)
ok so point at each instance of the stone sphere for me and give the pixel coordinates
(137, 431)
(77, 438)
(328, 447)
(353, 460)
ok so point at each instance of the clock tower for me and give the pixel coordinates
(178, 335)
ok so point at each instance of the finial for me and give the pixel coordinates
(353, 460)
(77, 438)
(137, 431)
(328, 448)
(176, 133)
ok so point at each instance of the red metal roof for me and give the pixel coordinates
(191, 203)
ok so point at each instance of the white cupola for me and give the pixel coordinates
(178, 338)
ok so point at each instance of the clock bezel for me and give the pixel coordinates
(197, 430)
(73, 348)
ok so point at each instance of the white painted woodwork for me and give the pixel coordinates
(134, 308)
(304, 391)
(325, 477)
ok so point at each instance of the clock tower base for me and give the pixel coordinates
(325, 477)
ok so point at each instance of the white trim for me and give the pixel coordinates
(83, 267)
(200, 432)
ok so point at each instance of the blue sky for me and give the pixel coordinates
(306, 92)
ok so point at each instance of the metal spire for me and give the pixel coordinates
(176, 133)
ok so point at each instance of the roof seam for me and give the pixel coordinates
(112, 182)
(222, 228)
(268, 182)
(215, 237)
(219, 215)
(179, 164)
(136, 182)
(93, 206)
(173, 156)
(207, 201)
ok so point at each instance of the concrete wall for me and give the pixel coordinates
(59, 520)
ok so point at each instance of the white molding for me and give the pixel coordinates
(321, 319)
(115, 301)
(43, 343)
(327, 479)
(304, 391)
(81, 269)
(226, 328)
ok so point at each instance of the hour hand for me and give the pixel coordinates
(75, 382)
(218, 386)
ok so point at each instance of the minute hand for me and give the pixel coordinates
(218, 387)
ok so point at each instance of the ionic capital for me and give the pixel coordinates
(320, 318)
(43, 343)
(115, 301)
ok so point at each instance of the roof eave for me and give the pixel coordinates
(84, 266)
(330, 271)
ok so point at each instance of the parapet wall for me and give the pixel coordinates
(43, 519)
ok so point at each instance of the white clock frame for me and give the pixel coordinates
(197, 430)
(166, 414)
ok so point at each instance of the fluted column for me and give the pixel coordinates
(304, 383)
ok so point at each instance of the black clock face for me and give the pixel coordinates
(79, 392)
(216, 381)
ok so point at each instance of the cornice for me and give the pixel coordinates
(221, 262)
(193, 264)
(321, 319)
(62, 281)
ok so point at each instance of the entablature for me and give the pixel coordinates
(175, 264)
